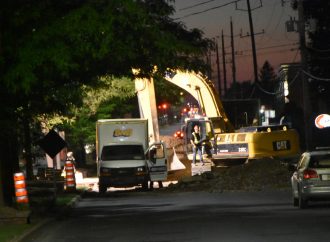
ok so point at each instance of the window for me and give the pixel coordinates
(320, 161)
(160, 153)
(122, 152)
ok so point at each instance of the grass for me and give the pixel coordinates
(64, 198)
(12, 230)
(9, 232)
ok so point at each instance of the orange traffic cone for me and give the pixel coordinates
(70, 181)
(20, 188)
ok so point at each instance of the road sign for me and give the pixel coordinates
(52, 143)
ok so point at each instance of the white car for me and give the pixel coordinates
(311, 178)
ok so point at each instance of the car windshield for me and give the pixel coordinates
(122, 152)
(320, 161)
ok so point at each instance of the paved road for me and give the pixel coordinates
(193, 216)
(169, 129)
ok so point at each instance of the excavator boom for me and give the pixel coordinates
(204, 92)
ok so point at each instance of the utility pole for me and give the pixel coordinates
(254, 53)
(233, 56)
(218, 67)
(209, 63)
(305, 91)
(255, 64)
(224, 63)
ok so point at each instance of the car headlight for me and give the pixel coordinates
(140, 169)
(105, 170)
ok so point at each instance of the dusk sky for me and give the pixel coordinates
(276, 45)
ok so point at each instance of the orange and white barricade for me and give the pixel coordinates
(70, 180)
(20, 188)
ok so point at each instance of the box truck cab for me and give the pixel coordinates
(123, 154)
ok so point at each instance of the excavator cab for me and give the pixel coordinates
(207, 135)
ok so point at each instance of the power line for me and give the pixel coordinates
(280, 91)
(270, 20)
(269, 52)
(209, 9)
(317, 50)
(196, 5)
(295, 56)
(264, 48)
(273, 46)
(315, 77)
(278, 22)
(309, 75)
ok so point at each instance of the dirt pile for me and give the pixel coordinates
(256, 175)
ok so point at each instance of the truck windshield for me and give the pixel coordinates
(122, 152)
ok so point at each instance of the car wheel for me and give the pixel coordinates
(145, 185)
(302, 202)
(295, 202)
(102, 189)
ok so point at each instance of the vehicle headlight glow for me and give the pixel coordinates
(140, 169)
(105, 170)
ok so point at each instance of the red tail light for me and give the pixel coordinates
(178, 134)
(308, 174)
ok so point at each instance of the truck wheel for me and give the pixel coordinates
(145, 185)
(102, 189)
(295, 202)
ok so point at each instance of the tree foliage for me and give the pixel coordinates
(76, 41)
(50, 48)
(167, 92)
(316, 69)
(50, 51)
(317, 20)
(267, 85)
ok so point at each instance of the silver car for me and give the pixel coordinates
(311, 178)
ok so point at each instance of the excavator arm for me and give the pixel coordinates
(198, 86)
(204, 92)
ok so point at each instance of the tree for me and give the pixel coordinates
(317, 22)
(166, 91)
(267, 85)
(50, 49)
(113, 98)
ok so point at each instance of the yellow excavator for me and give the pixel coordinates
(254, 142)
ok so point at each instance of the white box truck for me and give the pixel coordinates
(124, 157)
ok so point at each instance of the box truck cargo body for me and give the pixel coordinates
(122, 148)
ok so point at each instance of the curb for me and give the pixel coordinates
(42, 222)
(74, 201)
(31, 230)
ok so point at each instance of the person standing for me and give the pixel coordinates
(197, 144)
